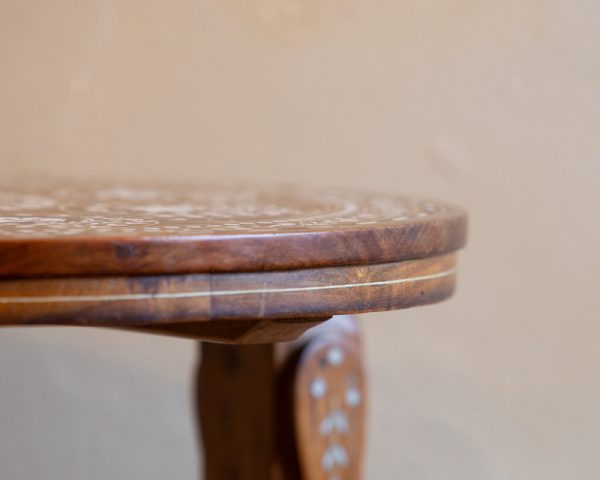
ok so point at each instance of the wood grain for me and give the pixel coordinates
(205, 304)
(199, 260)
(330, 402)
(261, 418)
(237, 409)
(240, 332)
(233, 264)
(65, 229)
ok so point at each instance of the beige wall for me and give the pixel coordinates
(493, 104)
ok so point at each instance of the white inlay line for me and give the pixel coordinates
(215, 293)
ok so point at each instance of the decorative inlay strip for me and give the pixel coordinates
(216, 293)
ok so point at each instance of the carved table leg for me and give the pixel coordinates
(236, 402)
(284, 411)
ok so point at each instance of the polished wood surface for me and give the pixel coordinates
(243, 266)
(284, 412)
(143, 301)
(329, 402)
(66, 229)
(197, 261)
(238, 406)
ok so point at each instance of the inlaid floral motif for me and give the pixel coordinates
(53, 211)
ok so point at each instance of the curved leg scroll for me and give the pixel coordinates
(329, 403)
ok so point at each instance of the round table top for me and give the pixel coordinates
(79, 229)
(228, 263)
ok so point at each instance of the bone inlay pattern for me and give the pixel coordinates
(59, 211)
(332, 414)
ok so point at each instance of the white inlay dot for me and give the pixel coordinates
(335, 356)
(318, 387)
(353, 397)
(337, 420)
(335, 455)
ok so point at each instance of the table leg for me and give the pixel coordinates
(284, 411)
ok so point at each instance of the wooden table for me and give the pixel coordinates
(243, 270)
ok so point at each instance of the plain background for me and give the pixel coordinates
(492, 104)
